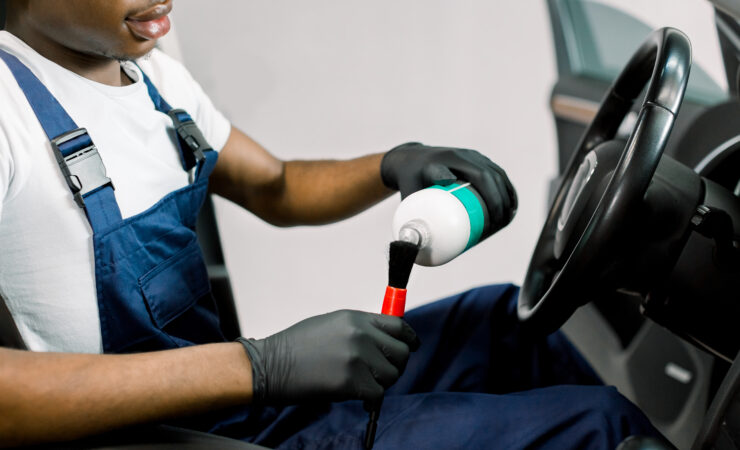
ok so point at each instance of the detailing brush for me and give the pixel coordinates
(401, 259)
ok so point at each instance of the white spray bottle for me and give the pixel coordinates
(444, 221)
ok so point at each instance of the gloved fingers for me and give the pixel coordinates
(509, 190)
(409, 185)
(508, 202)
(436, 173)
(370, 370)
(397, 328)
(496, 202)
(412, 166)
(366, 387)
(494, 186)
(504, 198)
(468, 165)
(485, 164)
(428, 175)
(383, 371)
(393, 350)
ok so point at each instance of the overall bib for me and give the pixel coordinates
(152, 284)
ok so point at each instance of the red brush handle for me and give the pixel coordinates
(394, 302)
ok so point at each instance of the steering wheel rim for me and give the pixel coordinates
(555, 286)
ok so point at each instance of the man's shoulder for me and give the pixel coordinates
(15, 110)
(181, 90)
(9, 88)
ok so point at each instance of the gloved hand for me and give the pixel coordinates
(344, 355)
(414, 166)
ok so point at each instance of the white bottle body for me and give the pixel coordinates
(441, 221)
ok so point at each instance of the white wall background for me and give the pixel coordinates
(339, 79)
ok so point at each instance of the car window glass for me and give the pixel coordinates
(604, 38)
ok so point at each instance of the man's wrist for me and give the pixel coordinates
(259, 378)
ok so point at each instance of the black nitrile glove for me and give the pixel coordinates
(414, 166)
(344, 355)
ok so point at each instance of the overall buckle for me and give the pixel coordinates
(83, 169)
(190, 134)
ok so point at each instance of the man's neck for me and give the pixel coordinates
(97, 68)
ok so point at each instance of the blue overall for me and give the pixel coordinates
(152, 285)
(477, 382)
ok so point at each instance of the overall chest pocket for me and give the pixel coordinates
(175, 285)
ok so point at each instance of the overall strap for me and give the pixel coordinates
(195, 152)
(73, 148)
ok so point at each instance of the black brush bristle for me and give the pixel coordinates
(401, 259)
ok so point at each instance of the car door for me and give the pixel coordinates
(668, 378)
(593, 41)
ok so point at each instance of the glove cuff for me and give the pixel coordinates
(392, 162)
(259, 378)
(386, 172)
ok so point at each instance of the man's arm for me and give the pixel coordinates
(344, 355)
(295, 192)
(46, 397)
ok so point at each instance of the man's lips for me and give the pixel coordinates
(154, 12)
(150, 29)
(151, 23)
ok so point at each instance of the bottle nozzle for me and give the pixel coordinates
(413, 232)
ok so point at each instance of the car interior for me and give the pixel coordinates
(668, 344)
(645, 209)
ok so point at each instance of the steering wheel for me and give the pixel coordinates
(601, 194)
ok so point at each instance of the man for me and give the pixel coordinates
(99, 256)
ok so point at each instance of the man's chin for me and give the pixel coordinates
(132, 58)
(132, 54)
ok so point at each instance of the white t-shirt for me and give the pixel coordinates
(47, 274)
